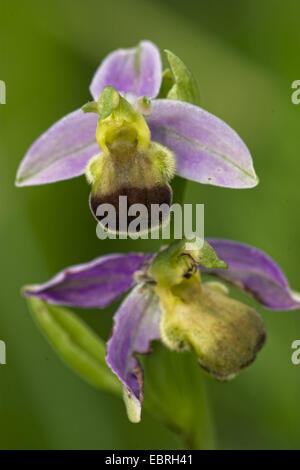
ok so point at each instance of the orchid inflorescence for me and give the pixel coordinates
(143, 127)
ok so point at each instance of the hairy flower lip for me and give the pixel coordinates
(260, 344)
(225, 333)
(158, 194)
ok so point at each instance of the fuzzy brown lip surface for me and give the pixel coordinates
(158, 194)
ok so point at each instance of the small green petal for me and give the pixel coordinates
(166, 84)
(90, 107)
(108, 101)
(208, 258)
(185, 87)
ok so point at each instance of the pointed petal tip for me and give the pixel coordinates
(257, 179)
(296, 296)
(133, 406)
(22, 181)
(61, 152)
(255, 273)
(18, 183)
(26, 290)
(21, 177)
(31, 290)
(136, 325)
(207, 149)
(252, 181)
(223, 265)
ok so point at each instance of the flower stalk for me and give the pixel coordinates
(175, 394)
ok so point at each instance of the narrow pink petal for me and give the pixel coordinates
(91, 285)
(136, 324)
(62, 152)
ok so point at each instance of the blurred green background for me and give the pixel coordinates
(245, 55)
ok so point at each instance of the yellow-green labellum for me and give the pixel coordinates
(225, 334)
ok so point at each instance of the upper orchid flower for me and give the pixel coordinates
(169, 302)
(142, 139)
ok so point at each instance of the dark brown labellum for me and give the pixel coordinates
(148, 197)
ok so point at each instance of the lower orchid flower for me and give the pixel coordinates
(169, 302)
(140, 129)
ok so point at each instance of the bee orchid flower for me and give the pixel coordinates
(136, 133)
(169, 302)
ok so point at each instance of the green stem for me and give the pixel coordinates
(176, 395)
(179, 187)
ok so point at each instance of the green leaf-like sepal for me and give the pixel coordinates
(166, 83)
(185, 87)
(76, 344)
